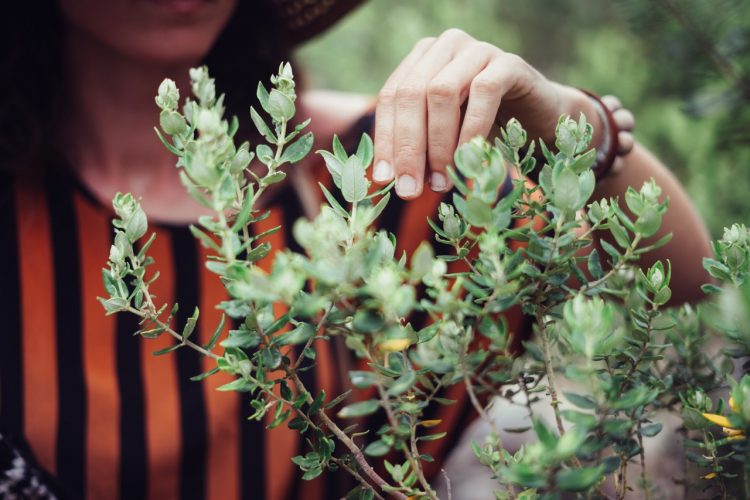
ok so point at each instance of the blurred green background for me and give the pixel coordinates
(682, 67)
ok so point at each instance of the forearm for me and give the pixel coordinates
(690, 238)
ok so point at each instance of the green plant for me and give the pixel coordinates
(599, 321)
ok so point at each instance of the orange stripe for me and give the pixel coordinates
(38, 330)
(281, 442)
(223, 452)
(103, 408)
(161, 387)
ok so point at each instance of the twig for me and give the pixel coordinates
(346, 440)
(356, 474)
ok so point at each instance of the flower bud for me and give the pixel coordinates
(168, 95)
(516, 135)
(651, 192)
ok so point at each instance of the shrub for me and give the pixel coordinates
(599, 320)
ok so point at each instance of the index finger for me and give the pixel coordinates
(385, 114)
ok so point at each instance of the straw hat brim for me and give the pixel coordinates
(304, 19)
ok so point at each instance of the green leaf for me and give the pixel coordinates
(317, 403)
(280, 106)
(190, 325)
(262, 94)
(618, 232)
(215, 337)
(298, 149)
(167, 350)
(367, 321)
(338, 399)
(312, 473)
(476, 212)
(167, 144)
(402, 384)
(204, 375)
(243, 215)
(273, 178)
(595, 265)
(353, 181)
(362, 379)
(262, 127)
(205, 239)
(579, 479)
(243, 339)
(365, 150)
(567, 191)
(299, 335)
(335, 205)
(421, 260)
(377, 448)
(432, 437)
(264, 153)
(585, 402)
(611, 250)
(359, 409)
(334, 166)
(651, 430)
(238, 385)
(648, 222)
(338, 150)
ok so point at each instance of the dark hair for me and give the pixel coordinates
(32, 72)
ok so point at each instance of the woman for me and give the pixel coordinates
(100, 414)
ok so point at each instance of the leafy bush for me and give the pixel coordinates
(599, 321)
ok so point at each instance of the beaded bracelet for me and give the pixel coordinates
(618, 124)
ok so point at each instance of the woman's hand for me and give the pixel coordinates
(420, 119)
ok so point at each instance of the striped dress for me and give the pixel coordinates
(102, 415)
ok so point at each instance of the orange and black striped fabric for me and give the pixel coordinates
(101, 414)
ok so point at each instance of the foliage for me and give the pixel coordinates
(690, 111)
(599, 321)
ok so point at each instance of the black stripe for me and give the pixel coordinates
(252, 447)
(291, 209)
(71, 436)
(466, 416)
(133, 458)
(192, 402)
(11, 360)
(252, 453)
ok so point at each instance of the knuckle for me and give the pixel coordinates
(454, 34)
(407, 149)
(423, 42)
(387, 95)
(517, 63)
(441, 91)
(485, 85)
(410, 91)
(489, 48)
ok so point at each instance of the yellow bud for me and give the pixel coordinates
(394, 345)
(710, 475)
(733, 406)
(719, 420)
(430, 423)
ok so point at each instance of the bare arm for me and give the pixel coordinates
(690, 238)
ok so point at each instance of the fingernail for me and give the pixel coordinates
(382, 171)
(438, 182)
(406, 185)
